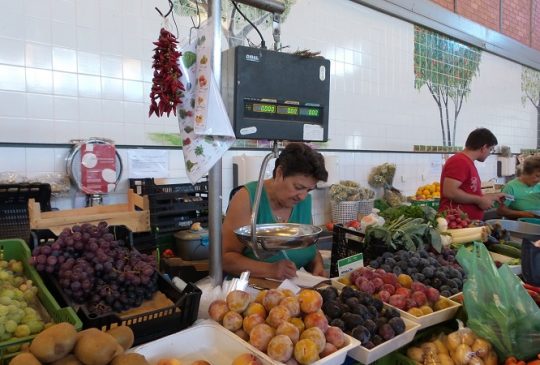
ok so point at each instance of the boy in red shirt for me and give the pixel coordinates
(460, 182)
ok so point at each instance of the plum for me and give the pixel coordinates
(278, 315)
(238, 300)
(310, 301)
(316, 319)
(232, 321)
(280, 348)
(386, 332)
(217, 310)
(290, 330)
(261, 335)
(306, 351)
(336, 337)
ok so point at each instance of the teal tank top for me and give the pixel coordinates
(301, 213)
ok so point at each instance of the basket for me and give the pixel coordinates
(344, 212)
(18, 250)
(365, 207)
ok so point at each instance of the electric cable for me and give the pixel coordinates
(263, 44)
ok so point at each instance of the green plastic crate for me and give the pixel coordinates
(18, 250)
(433, 203)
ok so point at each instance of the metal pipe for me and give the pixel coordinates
(215, 173)
(257, 200)
(273, 6)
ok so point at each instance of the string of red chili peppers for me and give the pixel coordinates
(167, 89)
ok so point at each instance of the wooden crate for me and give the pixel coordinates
(117, 214)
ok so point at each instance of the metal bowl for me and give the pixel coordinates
(275, 237)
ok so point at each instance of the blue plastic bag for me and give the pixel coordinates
(498, 308)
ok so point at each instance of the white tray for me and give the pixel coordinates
(211, 342)
(435, 317)
(366, 356)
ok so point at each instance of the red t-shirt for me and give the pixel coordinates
(460, 167)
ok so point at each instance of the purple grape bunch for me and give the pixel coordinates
(95, 269)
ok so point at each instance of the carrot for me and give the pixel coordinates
(532, 287)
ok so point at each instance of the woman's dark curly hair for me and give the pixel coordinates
(300, 159)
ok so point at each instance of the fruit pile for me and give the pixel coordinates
(18, 318)
(430, 191)
(361, 316)
(456, 218)
(459, 347)
(399, 291)
(440, 271)
(61, 344)
(282, 325)
(95, 269)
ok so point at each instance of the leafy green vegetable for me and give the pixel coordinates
(199, 150)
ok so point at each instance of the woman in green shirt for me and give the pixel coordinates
(285, 198)
(525, 191)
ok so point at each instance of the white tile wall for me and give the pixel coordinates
(76, 68)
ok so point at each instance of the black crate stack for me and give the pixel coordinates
(173, 207)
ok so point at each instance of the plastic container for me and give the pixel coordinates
(146, 326)
(517, 229)
(14, 198)
(434, 318)
(191, 245)
(18, 250)
(211, 342)
(530, 220)
(366, 356)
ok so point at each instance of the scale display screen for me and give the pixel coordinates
(277, 111)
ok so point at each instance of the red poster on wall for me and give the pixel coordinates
(98, 168)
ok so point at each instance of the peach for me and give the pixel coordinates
(277, 316)
(272, 299)
(232, 321)
(306, 352)
(200, 362)
(217, 310)
(169, 361)
(328, 349)
(336, 337)
(260, 296)
(261, 335)
(287, 292)
(290, 330)
(316, 335)
(292, 305)
(251, 321)
(238, 300)
(242, 334)
(298, 323)
(316, 319)
(310, 300)
(257, 308)
(280, 348)
(246, 359)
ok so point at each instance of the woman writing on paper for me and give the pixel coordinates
(285, 199)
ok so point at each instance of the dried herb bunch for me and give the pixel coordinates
(347, 190)
(382, 175)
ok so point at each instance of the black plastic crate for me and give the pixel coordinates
(14, 198)
(147, 326)
(346, 242)
(173, 223)
(148, 186)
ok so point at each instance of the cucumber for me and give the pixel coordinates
(513, 244)
(506, 250)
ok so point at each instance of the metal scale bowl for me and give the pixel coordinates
(266, 240)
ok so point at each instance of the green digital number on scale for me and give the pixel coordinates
(289, 110)
(264, 108)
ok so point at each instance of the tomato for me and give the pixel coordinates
(330, 226)
(353, 224)
(168, 253)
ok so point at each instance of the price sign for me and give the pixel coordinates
(350, 263)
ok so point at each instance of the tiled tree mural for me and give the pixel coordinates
(235, 27)
(446, 67)
(530, 88)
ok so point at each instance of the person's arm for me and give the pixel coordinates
(234, 262)
(506, 212)
(316, 267)
(452, 190)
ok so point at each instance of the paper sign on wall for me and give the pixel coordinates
(98, 168)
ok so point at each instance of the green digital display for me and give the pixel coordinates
(289, 110)
(310, 112)
(264, 108)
